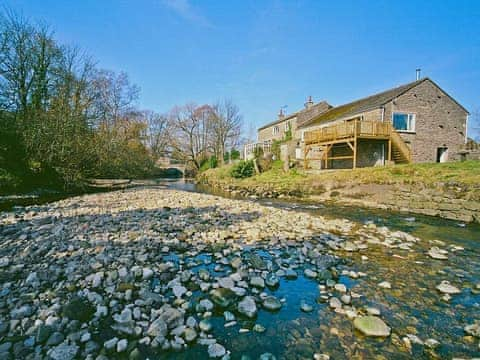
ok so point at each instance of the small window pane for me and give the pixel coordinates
(400, 121)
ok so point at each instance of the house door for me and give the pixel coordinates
(442, 154)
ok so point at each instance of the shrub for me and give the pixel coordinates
(235, 154)
(210, 163)
(242, 169)
(213, 162)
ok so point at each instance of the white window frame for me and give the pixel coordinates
(411, 120)
(275, 130)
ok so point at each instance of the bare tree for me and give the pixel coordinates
(159, 133)
(190, 133)
(115, 96)
(226, 124)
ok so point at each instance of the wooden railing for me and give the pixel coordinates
(349, 129)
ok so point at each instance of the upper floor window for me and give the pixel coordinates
(276, 130)
(404, 121)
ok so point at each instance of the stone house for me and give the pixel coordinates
(415, 122)
(276, 130)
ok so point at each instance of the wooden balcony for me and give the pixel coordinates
(342, 131)
(349, 132)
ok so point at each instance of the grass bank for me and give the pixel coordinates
(450, 190)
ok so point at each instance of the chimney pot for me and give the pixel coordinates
(309, 102)
(418, 71)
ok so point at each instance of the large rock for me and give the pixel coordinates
(157, 328)
(247, 307)
(371, 326)
(216, 350)
(172, 317)
(223, 297)
(437, 253)
(446, 288)
(271, 303)
(64, 352)
(124, 322)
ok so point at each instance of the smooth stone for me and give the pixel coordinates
(179, 290)
(271, 303)
(55, 339)
(190, 334)
(385, 285)
(291, 274)
(310, 273)
(236, 262)
(272, 280)
(305, 307)
(247, 307)
(437, 253)
(228, 316)
(371, 326)
(216, 350)
(157, 328)
(223, 297)
(226, 282)
(64, 352)
(205, 305)
(205, 325)
(259, 328)
(147, 273)
(257, 281)
(446, 288)
(122, 345)
(335, 303)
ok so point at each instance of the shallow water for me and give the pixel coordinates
(411, 307)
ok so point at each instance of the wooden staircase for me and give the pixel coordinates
(401, 153)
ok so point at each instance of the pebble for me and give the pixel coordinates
(216, 350)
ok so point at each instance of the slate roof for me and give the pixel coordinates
(368, 103)
(302, 115)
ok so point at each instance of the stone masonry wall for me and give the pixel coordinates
(439, 122)
(268, 135)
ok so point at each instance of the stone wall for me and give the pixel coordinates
(267, 134)
(434, 203)
(439, 122)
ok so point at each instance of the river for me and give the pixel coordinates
(411, 307)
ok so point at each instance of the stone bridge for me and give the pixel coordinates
(167, 163)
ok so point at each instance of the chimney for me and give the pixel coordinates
(308, 103)
(281, 115)
(418, 74)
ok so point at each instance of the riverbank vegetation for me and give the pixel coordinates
(455, 173)
(64, 120)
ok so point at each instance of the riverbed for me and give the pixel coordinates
(134, 256)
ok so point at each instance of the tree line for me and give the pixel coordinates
(64, 120)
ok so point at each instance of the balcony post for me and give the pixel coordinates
(355, 145)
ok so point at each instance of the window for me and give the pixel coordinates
(287, 126)
(404, 122)
(276, 130)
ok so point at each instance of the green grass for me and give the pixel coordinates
(429, 174)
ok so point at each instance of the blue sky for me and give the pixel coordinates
(264, 54)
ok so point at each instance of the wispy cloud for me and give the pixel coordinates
(184, 9)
